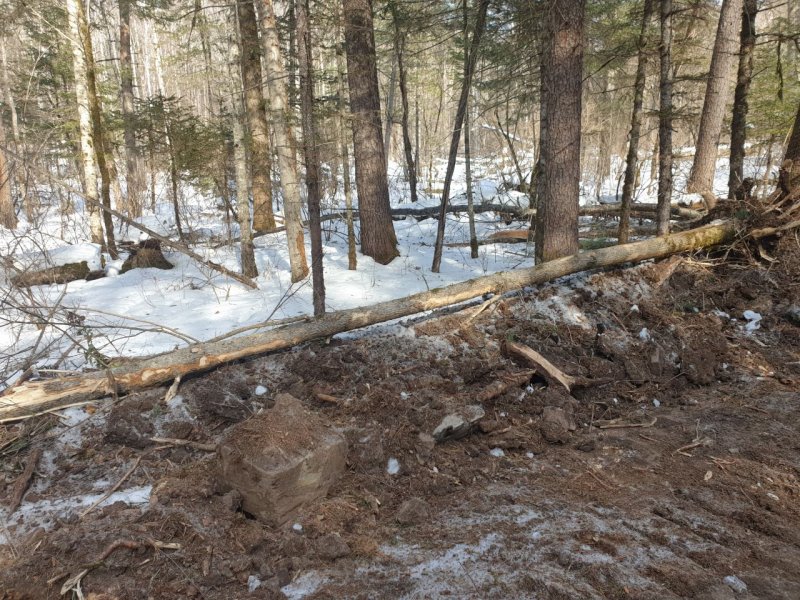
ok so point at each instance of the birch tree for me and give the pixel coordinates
(8, 216)
(284, 139)
(87, 141)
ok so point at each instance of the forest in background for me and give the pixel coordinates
(207, 127)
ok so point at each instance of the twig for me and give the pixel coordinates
(619, 424)
(113, 489)
(600, 481)
(327, 398)
(173, 390)
(534, 359)
(706, 441)
(190, 443)
(24, 480)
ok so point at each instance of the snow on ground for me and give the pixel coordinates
(147, 311)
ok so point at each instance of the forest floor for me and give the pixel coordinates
(700, 500)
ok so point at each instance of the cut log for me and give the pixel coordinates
(60, 274)
(35, 397)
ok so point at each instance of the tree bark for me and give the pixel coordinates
(248, 258)
(378, 238)
(411, 169)
(258, 139)
(665, 120)
(744, 75)
(473, 237)
(35, 397)
(87, 141)
(8, 215)
(789, 177)
(632, 162)
(389, 124)
(247, 250)
(310, 151)
(95, 110)
(284, 139)
(562, 78)
(701, 179)
(352, 260)
(469, 71)
(134, 182)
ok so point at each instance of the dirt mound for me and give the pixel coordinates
(671, 473)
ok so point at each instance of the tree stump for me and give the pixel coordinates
(146, 256)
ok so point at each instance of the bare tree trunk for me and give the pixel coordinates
(310, 151)
(87, 141)
(378, 239)
(352, 259)
(632, 163)
(173, 176)
(260, 158)
(284, 140)
(701, 179)
(8, 216)
(744, 75)
(399, 48)
(95, 110)
(389, 123)
(247, 250)
(473, 238)
(562, 78)
(789, 178)
(134, 182)
(665, 121)
(469, 71)
(9, 97)
(248, 258)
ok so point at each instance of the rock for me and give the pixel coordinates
(332, 546)
(425, 445)
(460, 424)
(736, 584)
(555, 425)
(232, 500)
(281, 459)
(412, 511)
(793, 314)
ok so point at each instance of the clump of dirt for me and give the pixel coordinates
(668, 470)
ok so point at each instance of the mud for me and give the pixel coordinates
(524, 506)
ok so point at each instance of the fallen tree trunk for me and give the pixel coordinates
(642, 210)
(52, 275)
(35, 397)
